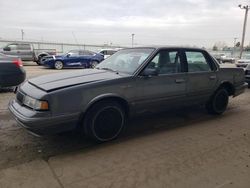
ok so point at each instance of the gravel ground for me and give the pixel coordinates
(17, 146)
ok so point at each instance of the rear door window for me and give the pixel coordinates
(24, 47)
(197, 62)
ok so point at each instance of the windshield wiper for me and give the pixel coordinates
(108, 69)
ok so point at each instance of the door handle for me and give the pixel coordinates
(213, 77)
(179, 81)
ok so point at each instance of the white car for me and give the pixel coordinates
(107, 52)
(244, 61)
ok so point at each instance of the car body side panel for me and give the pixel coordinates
(159, 92)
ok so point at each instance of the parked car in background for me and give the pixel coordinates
(11, 71)
(133, 81)
(244, 61)
(247, 73)
(107, 52)
(26, 51)
(74, 58)
(223, 58)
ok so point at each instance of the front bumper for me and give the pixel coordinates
(240, 89)
(39, 124)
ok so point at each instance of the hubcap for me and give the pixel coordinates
(58, 65)
(108, 123)
(93, 64)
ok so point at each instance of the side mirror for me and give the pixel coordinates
(149, 72)
(68, 55)
(6, 48)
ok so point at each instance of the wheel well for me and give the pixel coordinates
(229, 87)
(42, 55)
(121, 101)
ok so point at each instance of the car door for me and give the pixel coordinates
(86, 58)
(73, 59)
(202, 75)
(25, 51)
(166, 86)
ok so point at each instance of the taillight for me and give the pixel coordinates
(18, 62)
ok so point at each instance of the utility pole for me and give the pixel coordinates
(133, 35)
(246, 7)
(22, 32)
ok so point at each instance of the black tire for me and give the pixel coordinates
(93, 64)
(218, 102)
(104, 121)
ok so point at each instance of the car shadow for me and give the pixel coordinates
(146, 124)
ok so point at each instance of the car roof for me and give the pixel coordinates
(169, 47)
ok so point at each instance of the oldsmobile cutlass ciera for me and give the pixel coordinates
(98, 101)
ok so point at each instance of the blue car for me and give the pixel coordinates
(74, 58)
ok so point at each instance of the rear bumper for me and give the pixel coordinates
(43, 125)
(240, 89)
(13, 79)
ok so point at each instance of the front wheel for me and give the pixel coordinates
(58, 65)
(104, 121)
(218, 102)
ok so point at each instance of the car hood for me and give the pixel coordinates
(62, 80)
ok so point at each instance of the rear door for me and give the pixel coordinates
(25, 51)
(168, 87)
(73, 59)
(201, 76)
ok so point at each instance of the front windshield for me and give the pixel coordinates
(126, 61)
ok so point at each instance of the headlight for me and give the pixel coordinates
(35, 104)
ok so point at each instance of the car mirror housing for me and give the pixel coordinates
(149, 72)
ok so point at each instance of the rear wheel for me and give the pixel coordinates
(58, 65)
(104, 121)
(93, 64)
(218, 102)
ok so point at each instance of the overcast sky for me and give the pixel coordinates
(165, 22)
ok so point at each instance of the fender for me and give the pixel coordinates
(43, 54)
(104, 96)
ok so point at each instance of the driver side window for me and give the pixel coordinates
(166, 62)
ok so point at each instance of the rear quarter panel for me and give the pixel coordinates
(236, 76)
